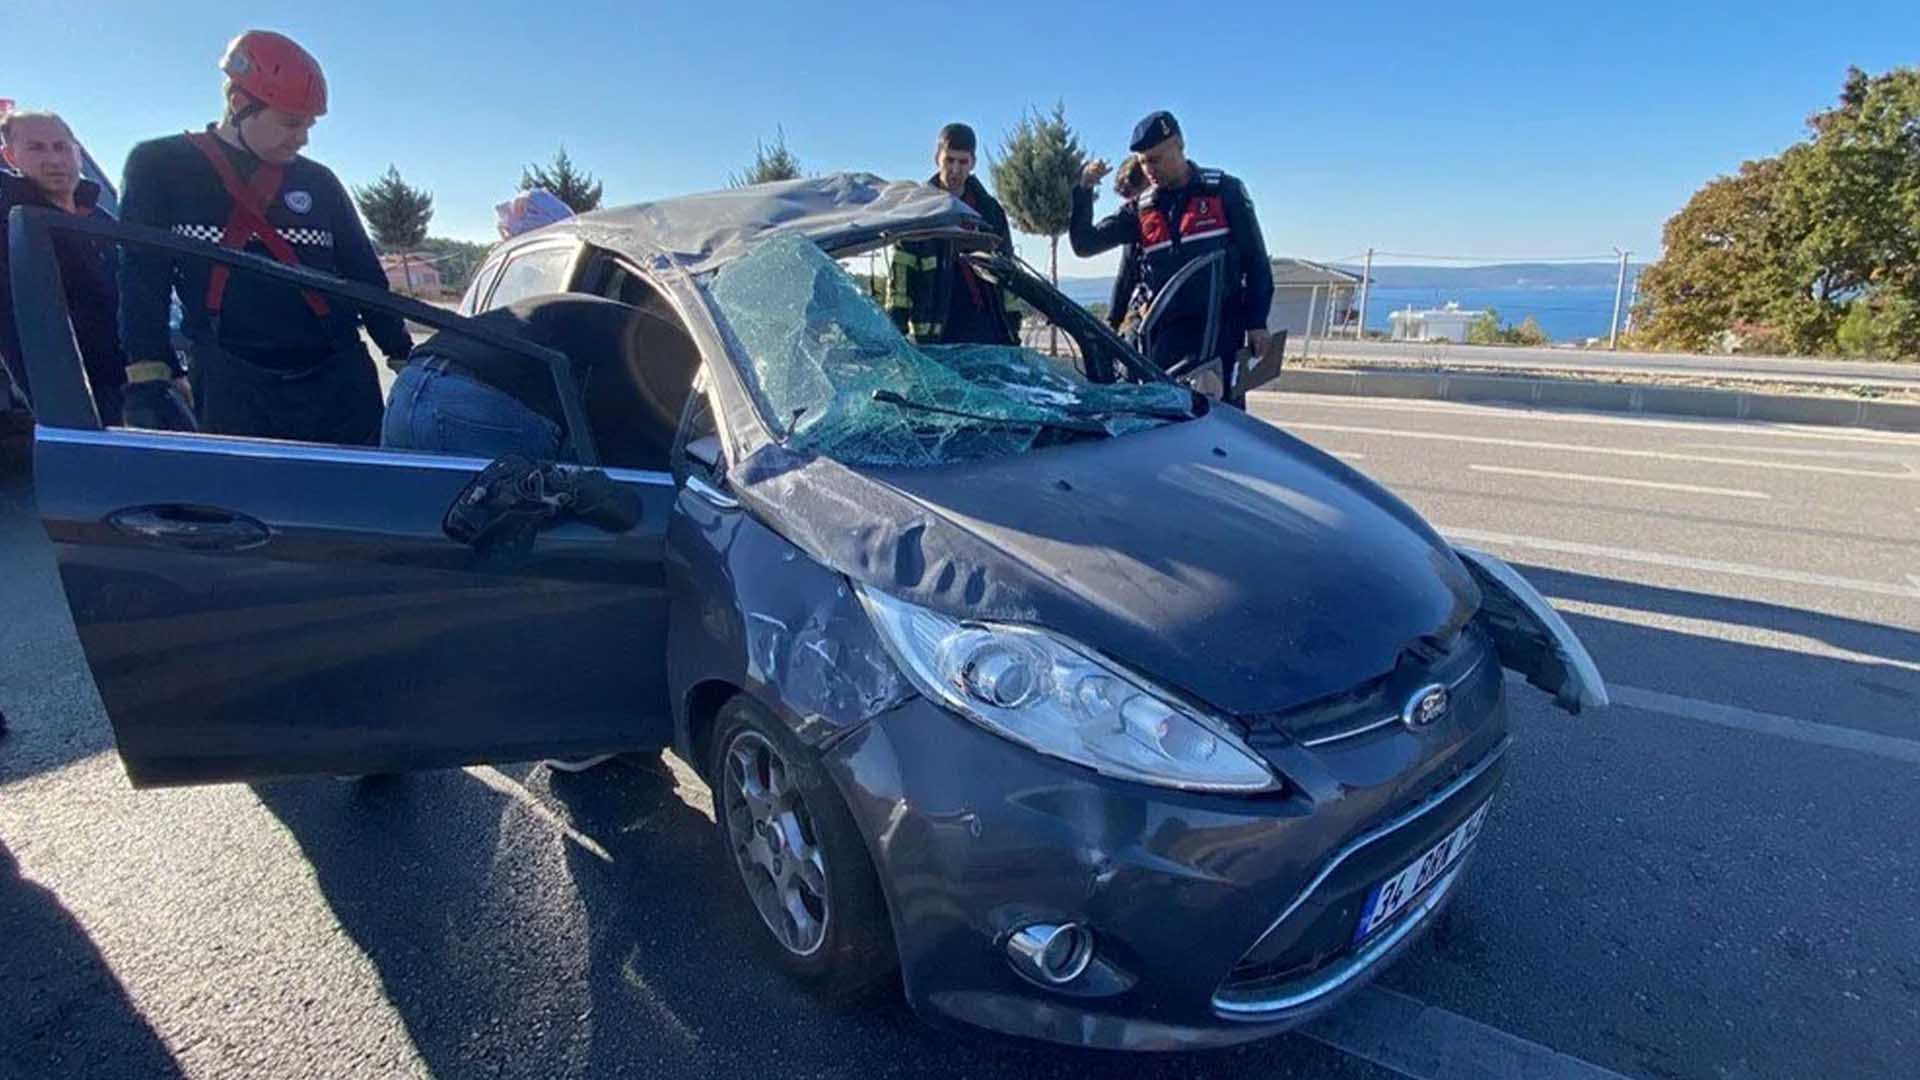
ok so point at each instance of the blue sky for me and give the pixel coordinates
(1525, 130)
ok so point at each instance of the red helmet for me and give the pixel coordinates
(276, 72)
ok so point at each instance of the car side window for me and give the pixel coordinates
(530, 273)
(483, 280)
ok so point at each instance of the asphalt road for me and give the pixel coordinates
(1775, 368)
(1715, 878)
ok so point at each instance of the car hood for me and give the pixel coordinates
(1219, 556)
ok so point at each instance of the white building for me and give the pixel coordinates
(1447, 323)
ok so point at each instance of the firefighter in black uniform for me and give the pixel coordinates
(935, 297)
(266, 360)
(1188, 213)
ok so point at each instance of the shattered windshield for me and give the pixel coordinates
(835, 378)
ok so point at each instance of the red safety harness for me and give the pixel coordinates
(248, 220)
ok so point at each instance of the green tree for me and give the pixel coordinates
(1489, 330)
(1814, 251)
(1720, 251)
(771, 162)
(398, 214)
(1039, 162)
(1529, 332)
(573, 186)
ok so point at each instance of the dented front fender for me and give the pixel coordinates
(754, 612)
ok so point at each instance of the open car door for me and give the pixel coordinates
(254, 607)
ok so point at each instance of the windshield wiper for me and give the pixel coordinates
(1126, 410)
(1084, 427)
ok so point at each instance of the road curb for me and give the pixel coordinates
(1603, 397)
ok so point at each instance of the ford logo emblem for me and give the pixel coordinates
(1426, 706)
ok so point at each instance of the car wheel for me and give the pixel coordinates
(797, 852)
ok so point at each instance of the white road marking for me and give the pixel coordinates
(1903, 460)
(1557, 416)
(508, 786)
(1908, 590)
(1890, 747)
(1426, 1042)
(1693, 489)
(1716, 630)
(1347, 455)
(1907, 473)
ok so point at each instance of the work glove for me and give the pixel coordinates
(155, 401)
(514, 498)
(397, 364)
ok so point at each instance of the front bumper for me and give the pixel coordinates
(1218, 919)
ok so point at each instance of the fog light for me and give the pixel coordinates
(1053, 954)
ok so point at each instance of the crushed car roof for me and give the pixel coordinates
(705, 232)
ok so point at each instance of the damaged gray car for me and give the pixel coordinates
(1100, 712)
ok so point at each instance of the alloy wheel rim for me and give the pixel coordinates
(774, 844)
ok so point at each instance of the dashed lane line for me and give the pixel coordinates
(1907, 590)
(1905, 473)
(1621, 481)
(1758, 428)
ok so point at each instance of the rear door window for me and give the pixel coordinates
(530, 273)
(483, 280)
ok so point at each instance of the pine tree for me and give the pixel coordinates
(575, 187)
(398, 214)
(770, 163)
(1034, 177)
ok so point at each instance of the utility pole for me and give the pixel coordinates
(1619, 292)
(1633, 301)
(1313, 307)
(1366, 281)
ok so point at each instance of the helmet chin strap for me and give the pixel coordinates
(253, 108)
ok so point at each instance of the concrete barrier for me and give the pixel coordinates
(1602, 397)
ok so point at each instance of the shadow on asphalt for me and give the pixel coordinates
(1853, 691)
(65, 1014)
(649, 964)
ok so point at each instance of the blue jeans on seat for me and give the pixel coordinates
(434, 409)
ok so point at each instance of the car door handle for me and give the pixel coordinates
(196, 528)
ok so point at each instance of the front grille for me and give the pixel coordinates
(1374, 706)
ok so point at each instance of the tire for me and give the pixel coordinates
(769, 787)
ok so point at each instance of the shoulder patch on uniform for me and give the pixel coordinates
(299, 201)
(1213, 176)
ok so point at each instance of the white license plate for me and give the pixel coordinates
(1394, 894)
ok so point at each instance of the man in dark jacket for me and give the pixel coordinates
(267, 360)
(1189, 213)
(41, 147)
(933, 295)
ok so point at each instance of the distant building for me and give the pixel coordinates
(1310, 301)
(413, 277)
(1448, 323)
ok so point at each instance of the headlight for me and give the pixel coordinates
(1059, 699)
